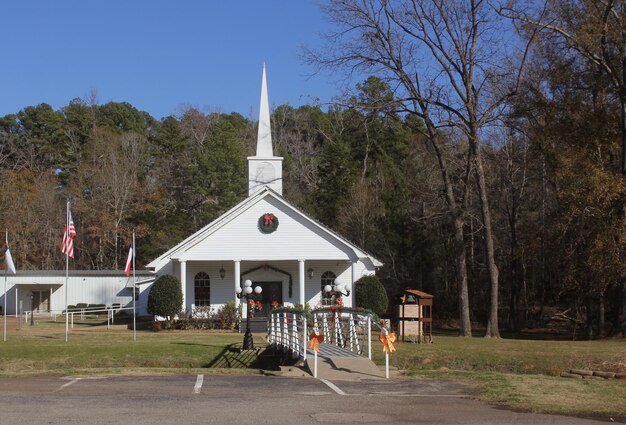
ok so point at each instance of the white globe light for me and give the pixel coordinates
(248, 290)
(338, 287)
(327, 288)
(247, 283)
(238, 289)
(258, 290)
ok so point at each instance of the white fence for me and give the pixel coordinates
(81, 314)
(289, 332)
(350, 331)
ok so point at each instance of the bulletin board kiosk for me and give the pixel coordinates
(415, 316)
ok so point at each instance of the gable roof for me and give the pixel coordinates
(178, 250)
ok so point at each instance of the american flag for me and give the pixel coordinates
(67, 246)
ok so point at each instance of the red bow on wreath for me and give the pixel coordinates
(268, 219)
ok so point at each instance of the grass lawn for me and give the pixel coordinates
(522, 374)
(41, 349)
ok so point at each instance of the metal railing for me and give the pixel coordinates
(348, 330)
(288, 331)
(82, 314)
(351, 331)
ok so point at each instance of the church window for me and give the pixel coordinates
(328, 278)
(202, 289)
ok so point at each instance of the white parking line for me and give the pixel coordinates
(198, 386)
(67, 384)
(333, 387)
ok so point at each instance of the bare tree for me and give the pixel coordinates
(591, 30)
(450, 65)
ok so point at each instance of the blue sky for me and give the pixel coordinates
(158, 55)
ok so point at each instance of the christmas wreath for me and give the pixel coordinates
(268, 223)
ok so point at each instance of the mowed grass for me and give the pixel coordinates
(41, 349)
(521, 374)
(509, 355)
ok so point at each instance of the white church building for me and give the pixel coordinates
(264, 239)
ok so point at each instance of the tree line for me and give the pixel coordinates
(482, 161)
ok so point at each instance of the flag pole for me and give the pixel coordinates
(4, 310)
(67, 264)
(134, 290)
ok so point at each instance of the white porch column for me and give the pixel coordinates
(352, 286)
(237, 281)
(301, 281)
(183, 282)
(17, 312)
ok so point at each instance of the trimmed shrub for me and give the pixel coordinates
(166, 297)
(371, 294)
(226, 316)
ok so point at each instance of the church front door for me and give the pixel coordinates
(272, 294)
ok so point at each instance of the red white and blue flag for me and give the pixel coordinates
(129, 261)
(69, 233)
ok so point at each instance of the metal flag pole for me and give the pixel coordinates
(4, 310)
(67, 263)
(134, 290)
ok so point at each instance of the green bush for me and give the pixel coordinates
(166, 297)
(226, 316)
(371, 294)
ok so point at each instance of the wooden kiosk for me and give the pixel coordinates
(415, 316)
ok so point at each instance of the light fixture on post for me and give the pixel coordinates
(246, 292)
(310, 272)
(222, 272)
(337, 289)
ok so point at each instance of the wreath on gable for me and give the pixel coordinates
(268, 223)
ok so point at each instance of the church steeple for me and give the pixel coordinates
(264, 169)
(264, 137)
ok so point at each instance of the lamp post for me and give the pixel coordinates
(337, 289)
(245, 292)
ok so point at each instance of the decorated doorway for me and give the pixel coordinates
(270, 297)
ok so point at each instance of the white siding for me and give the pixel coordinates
(223, 290)
(82, 289)
(295, 238)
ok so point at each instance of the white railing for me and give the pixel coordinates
(81, 314)
(288, 331)
(351, 331)
(348, 330)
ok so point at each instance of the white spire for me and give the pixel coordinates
(265, 169)
(264, 137)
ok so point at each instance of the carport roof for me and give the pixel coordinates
(74, 273)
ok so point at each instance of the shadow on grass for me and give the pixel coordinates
(533, 334)
(233, 356)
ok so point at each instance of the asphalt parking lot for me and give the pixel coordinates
(210, 399)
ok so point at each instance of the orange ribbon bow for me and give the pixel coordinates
(314, 341)
(388, 341)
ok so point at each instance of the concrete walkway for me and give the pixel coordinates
(338, 364)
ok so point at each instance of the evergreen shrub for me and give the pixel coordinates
(371, 294)
(166, 297)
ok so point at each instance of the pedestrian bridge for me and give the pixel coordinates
(346, 350)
